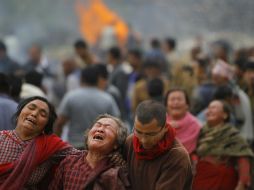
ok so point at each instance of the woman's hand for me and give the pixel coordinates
(240, 186)
(117, 159)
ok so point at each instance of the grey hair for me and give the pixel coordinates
(122, 131)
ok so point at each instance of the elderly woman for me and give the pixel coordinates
(186, 125)
(29, 151)
(92, 169)
(223, 153)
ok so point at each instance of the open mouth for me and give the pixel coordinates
(32, 121)
(98, 137)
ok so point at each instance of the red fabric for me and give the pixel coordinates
(214, 177)
(11, 146)
(194, 157)
(14, 175)
(162, 146)
(72, 173)
(5, 167)
(244, 171)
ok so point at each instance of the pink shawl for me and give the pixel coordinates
(187, 131)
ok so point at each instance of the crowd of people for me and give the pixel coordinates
(128, 118)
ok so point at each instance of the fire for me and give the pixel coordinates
(94, 17)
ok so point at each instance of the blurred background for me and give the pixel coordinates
(57, 24)
(129, 51)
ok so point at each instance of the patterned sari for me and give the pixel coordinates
(24, 164)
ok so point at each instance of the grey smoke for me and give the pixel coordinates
(54, 23)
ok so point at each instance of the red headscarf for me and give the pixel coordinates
(162, 146)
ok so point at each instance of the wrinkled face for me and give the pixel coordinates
(103, 136)
(177, 105)
(33, 118)
(149, 134)
(215, 114)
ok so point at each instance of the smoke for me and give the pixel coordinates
(55, 23)
(187, 18)
(48, 23)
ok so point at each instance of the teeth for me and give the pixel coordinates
(97, 137)
(30, 120)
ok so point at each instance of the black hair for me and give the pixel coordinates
(223, 92)
(89, 75)
(226, 109)
(155, 43)
(149, 110)
(249, 65)
(4, 84)
(171, 42)
(155, 87)
(203, 62)
(15, 87)
(102, 70)
(115, 52)
(34, 78)
(80, 43)
(177, 90)
(52, 113)
(2, 46)
(151, 63)
(136, 53)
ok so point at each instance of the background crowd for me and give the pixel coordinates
(193, 86)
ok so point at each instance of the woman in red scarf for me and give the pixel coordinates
(29, 151)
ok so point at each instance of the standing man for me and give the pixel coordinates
(7, 65)
(37, 61)
(156, 160)
(84, 56)
(82, 106)
(119, 75)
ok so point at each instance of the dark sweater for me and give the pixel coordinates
(170, 171)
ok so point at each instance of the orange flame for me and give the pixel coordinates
(94, 17)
